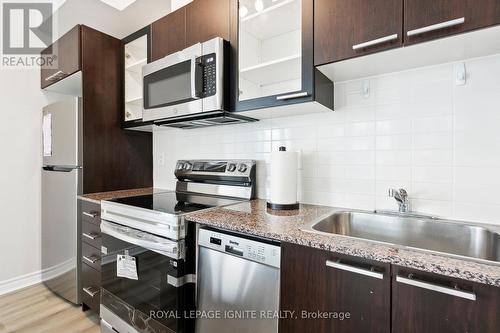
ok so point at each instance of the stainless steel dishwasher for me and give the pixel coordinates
(238, 284)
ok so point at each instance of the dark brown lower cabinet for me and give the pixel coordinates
(427, 303)
(90, 220)
(325, 292)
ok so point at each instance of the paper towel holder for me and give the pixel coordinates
(274, 206)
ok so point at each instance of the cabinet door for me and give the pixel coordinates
(274, 64)
(431, 19)
(68, 58)
(362, 289)
(303, 288)
(207, 19)
(428, 303)
(169, 34)
(136, 51)
(348, 28)
(354, 293)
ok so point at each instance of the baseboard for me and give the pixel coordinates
(31, 279)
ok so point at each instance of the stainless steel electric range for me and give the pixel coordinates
(149, 249)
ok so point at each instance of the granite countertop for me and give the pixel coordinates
(97, 197)
(254, 218)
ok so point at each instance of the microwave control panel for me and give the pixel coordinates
(209, 74)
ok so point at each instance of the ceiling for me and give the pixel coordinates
(106, 18)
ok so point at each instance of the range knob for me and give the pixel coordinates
(180, 166)
(242, 168)
(231, 168)
(187, 166)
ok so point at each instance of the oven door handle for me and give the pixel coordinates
(133, 237)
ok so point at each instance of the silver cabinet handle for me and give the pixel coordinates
(91, 291)
(92, 215)
(375, 42)
(92, 260)
(438, 26)
(55, 76)
(353, 269)
(292, 96)
(91, 236)
(437, 288)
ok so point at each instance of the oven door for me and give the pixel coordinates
(173, 85)
(163, 293)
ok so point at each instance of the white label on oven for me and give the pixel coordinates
(126, 267)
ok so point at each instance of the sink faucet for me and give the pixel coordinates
(401, 197)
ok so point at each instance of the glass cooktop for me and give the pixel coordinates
(175, 203)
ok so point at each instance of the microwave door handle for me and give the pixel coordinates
(131, 238)
(195, 94)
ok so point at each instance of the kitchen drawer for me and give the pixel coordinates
(91, 212)
(91, 234)
(91, 256)
(91, 287)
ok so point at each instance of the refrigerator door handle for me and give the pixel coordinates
(60, 168)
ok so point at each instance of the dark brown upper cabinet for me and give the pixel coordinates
(136, 54)
(429, 303)
(67, 51)
(207, 19)
(168, 34)
(113, 159)
(430, 19)
(314, 280)
(272, 56)
(345, 29)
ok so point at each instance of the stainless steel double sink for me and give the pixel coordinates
(470, 241)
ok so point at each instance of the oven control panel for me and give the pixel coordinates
(249, 249)
(232, 168)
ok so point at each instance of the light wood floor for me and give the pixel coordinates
(37, 310)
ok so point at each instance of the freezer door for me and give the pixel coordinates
(62, 133)
(61, 249)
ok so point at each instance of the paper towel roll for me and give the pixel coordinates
(283, 190)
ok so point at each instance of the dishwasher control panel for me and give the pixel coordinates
(248, 249)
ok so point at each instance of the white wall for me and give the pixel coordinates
(21, 102)
(416, 130)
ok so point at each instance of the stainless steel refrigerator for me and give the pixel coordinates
(61, 184)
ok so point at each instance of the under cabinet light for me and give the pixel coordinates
(259, 5)
(119, 4)
(243, 11)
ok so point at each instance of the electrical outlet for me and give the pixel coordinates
(161, 159)
(460, 74)
(366, 89)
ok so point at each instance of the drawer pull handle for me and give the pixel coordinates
(92, 215)
(292, 96)
(56, 76)
(435, 27)
(91, 260)
(437, 288)
(91, 236)
(375, 42)
(352, 269)
(91, 291)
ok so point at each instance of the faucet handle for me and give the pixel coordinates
(392, 192)
(403, 192)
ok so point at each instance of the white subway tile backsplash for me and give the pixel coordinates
(417, 130)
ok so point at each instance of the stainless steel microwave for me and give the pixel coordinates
(185, 83)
